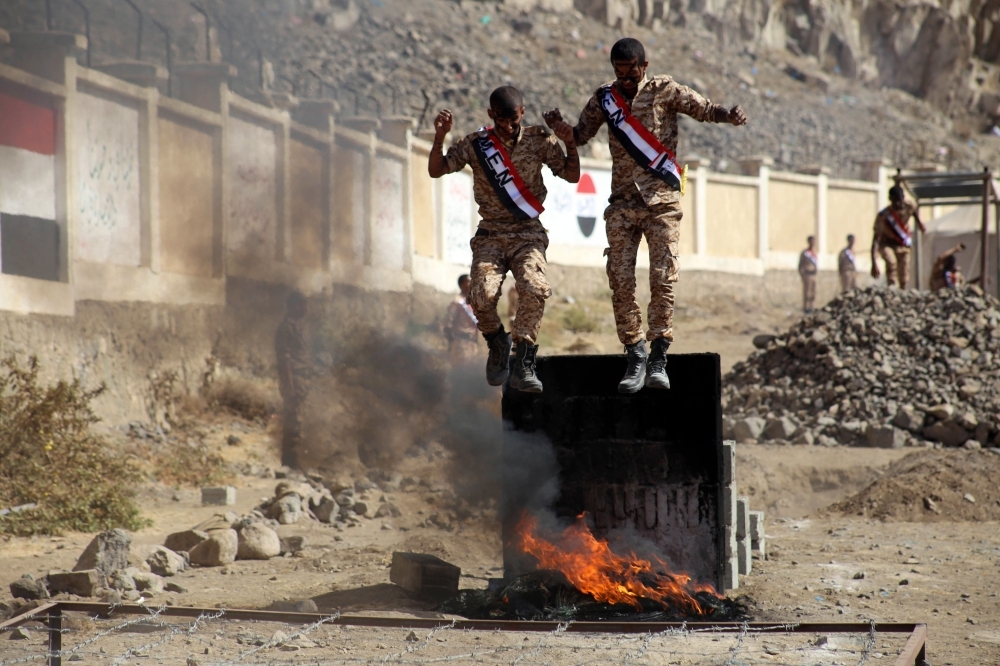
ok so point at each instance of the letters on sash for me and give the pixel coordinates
(500, 172)
(638, 141)
(897, 227)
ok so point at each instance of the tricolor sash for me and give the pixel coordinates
(638, 141)
(500, 172)
(949, 279)
(811, 256)
(850, 257)
(468, 311)
(897, 227)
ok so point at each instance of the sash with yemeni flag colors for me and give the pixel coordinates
(811, 256)
(513, 193)
(898, 228)
(638, 141)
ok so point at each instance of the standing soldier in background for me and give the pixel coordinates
(946, 273)
(847, 267)
(506, 163)
(808, 267)
(460, 326)
(892, 238)
(646, 187)
(294, 370)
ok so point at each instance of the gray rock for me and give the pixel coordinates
(885, 437)
(19, 634)
(779, 428)
(388, 510)
(287, 510)
(972, 445)
(948, 433)
(967, 420)
(219, 548)
(147, 582)
(122, 580)
(345, 499)
(941, 412)
(360, 508)
(107, 552)
(909, 418)
(804, 438)
(26, 587)
(304, 606)
(292, 544)
(749, 428)
(171, 586)
(184, 541)
(258, 542)
(87, 583)
(165, 562)
(327, 510)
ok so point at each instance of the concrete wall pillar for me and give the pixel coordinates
(44, 54)
(763, 211)
(822, 184)
(316, 113)
(369, 126)
(149, 181)
(398, 130)
(144, 74)
(701, 206)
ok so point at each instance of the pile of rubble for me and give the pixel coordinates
(333, 502)
(875, 367)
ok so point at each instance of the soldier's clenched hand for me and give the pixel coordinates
(443, 123)
(552, 116)
(736, 116)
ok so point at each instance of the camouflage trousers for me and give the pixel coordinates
(522, 253)
(897, 265)
(626, 223)
(848, 280)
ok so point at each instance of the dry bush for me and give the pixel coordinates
(241, 397)
(49, 456)
(578, 320)
(188, 464)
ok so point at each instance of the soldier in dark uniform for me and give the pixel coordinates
(294, 370)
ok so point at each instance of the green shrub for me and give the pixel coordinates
(50, 457)
(578, 320)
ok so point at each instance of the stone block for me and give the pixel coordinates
(885, 437)
(742, 517)
(728, 463)
(743, 556)
(81, 583)
(221, 496)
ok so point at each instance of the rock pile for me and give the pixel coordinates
(876, 367)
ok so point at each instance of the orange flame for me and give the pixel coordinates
(591, 567)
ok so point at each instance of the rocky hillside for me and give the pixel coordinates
(815, 78)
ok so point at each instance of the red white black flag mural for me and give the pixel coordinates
(29, 234)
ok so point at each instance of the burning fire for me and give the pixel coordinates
(589, 564)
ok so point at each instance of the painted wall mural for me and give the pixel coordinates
(459, 218)
(574, 213)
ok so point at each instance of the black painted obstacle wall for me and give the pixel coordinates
(648, 462)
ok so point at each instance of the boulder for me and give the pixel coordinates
(941, 412)
(27, 587)
(779, 428)
(219, 548)
(388, 510)
(327, 510)
(165, 562)
(122, 580)
(292, 544)
(107, 552)
(258, 542)
(750, 427)
(885, 437)
(287, 509)
(87, 583)
(948, 433)
(185, 541)
(147, 582)
(909, 418)
(360, 508)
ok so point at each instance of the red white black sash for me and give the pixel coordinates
(850, 257)
(638, 141)
(500, 172)
(949, 279)
(811, 256)
(468, 311)
(897, 227)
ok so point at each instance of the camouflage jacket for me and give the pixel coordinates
(655, 105)
(883, 230)
(531, 148)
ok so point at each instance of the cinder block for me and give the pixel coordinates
(728, 463)
(729, 505)
(743, 556)
(731, 576)
(742, 517)
(222, 496)
(757, 538)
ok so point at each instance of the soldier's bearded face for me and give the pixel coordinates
(507, 124)
(629, 73)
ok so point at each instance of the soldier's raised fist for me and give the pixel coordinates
(736, 116)
(443, 124)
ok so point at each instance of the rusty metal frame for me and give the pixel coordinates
(913, 653)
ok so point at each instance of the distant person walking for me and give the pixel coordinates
(946, 274)
(808, 267)
(847, 266)
(892, 238)
(294, 371)
(460, 326)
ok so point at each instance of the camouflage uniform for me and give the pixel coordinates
(293, 362)
(503, 242)
(848, 270)
(807, 271)
(940, 278)
(461, 333)
(895, 255)
(643, 205)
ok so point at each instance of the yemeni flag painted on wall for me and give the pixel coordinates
(586, 204)
(29, 234)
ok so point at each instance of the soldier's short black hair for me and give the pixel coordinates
(896, 193)
(810, 239)
(850, 238)
(295, 299)
(462, 278)
(950, 262)
(628, 48)
(506, 100)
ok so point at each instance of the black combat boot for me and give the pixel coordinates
(523, 377)
(498, 362)
(635, 373)
(656, 366)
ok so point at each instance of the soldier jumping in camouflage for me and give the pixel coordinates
(506, 163)
(641, 114)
